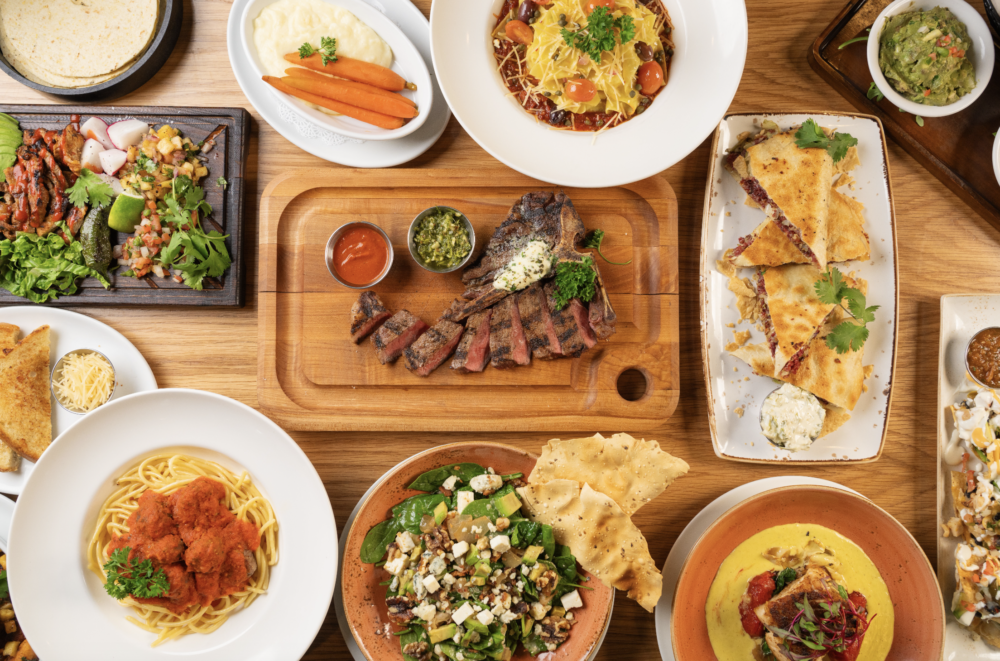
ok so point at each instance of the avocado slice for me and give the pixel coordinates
(472, 624)
(440, 512)
(472, 555)
(508, 504)
(483, 569)
(5, 117)
(479, 581)
(531, 556)
(536, 572)
(443, 633)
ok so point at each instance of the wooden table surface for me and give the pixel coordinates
(944, 248)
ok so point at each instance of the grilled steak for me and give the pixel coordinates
(582, 317)
(564, 327)
(602, 315)
(534, 312)
(474, 348)
(399, 332)
(71, 148)
(462, 308)
(508, 346)
(433, 347)
(366, 314)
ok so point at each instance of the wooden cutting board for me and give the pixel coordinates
(311, 376)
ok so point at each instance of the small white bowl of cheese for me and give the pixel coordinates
(273, 28)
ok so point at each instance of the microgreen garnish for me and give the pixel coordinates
(854, 41)
(824, 627)
(811, 135)
(599, 35)
(574, 280)
(222, 183)
(327, 50)
(784, 577)
(850, 335)
(593, 240)
(874, 92)
(139, 580)
(89, 189)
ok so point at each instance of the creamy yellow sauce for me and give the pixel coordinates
(725, 630)
(282, 27)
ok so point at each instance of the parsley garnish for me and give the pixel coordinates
(192, 252)
(89, 189)
(222, 183)
(327, 50)
(851, 334)
(874, 92)
(599, 35)
(574, 280)
(594, 240)
(811, 135)
(784, 577)
(139, 580)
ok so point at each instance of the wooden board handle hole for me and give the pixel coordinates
(633, 384)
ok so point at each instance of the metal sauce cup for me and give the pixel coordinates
(332, 242)
(969, 346)
(413, 232)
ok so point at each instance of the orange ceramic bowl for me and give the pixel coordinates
(364, 598)
(913, 586)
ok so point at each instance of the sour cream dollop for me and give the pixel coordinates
(792, 418)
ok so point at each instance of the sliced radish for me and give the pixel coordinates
(91, 158)
(127, 133)
(116, 185)
(95, 129)
(112, 160)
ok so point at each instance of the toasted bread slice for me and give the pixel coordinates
(10, 461)
(25, 405)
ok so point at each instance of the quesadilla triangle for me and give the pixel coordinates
(792, 186)
(791, 312)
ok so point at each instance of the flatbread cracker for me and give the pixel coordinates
(601, 536)
(25, 404)
(630, 471)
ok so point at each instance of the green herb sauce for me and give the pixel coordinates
(442, 240)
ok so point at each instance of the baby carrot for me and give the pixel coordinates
(367, 116)
(358, 98)
(299, 72)
(362, 72)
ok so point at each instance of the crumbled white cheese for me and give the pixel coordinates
(432, 584)
(450, 483)
(500, 543)
(396, 566)
(425, 611)
(463, 613)
(464, 498)
(448, 579)
(484, 483)
(405, 542)
(485, 618)
(572, 600)
(508, 617)
(460, 549)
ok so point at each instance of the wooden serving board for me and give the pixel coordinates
(958, 149)
(312, 377)
(227, 160)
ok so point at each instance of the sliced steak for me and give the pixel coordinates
(508, 346)
(366, 315)
(400, 331)
(432, 348)
(462, 308)
(534, 312)
(474, 348)
(602, 316)
(582, 317)
(565, 327)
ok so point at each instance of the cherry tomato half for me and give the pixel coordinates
(590, 5)
(581, 90)
(519, 31)
(650, 77)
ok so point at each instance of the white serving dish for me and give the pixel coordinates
(710, 43)
(982, 48)
(406, 61)
(731, 383)
(996, 156)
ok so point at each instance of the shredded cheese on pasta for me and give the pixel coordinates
(85, 382)
(552, 62)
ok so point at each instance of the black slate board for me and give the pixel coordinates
(225, 160)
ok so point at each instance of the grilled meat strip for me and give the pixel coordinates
(366, 315)
(71, 147)
(38, 195)
(582, 317)
(508, 346)
(433, 347)
(564, 326)
(474, 348)
(533, 309)
(602, 316)
(399, 332)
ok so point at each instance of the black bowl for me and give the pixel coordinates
(994, 15)
(168, 29)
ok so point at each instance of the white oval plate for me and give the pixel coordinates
(55, 515)
(692, 533)
(406, 61)
(996, 156)
(323, 142)
(711, 45)
(70, 331)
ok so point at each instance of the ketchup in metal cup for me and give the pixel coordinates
(360, 255)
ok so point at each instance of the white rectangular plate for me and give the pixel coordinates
(734, 392)
(962, 316)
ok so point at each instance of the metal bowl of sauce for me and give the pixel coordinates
(451, 261)
(359, 255)
(982, 357)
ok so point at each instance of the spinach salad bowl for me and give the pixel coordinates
(481, 618)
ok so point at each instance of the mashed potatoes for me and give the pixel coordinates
(282, 27)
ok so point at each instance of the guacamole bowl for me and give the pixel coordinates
(982, 54)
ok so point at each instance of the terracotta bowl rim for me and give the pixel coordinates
(407, 462)
(804, 487)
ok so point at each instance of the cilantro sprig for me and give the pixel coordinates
(810, 135)
(327, 50)
(852, 334)
(89, 189)
(126, 578)
(574, 280)
(599, 34)
(194, 253)
(593, 240)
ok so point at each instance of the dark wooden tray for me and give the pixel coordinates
(956, 149)
(225, 160)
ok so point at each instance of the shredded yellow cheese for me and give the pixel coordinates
(85, 381)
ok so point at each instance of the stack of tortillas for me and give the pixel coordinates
(588, 489)
(25, 404)
(75, 43)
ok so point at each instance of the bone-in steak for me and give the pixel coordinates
(366, 314)
(399, 332)
(508, 346)
(602, 315)
(433, 347)
(564, 326)
(534, 312)
(474, 348)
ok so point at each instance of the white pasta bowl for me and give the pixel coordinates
(982, 51)
(406, 61)
(996, 156)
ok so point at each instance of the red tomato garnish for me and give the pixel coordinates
(650, 77)
(581, 90)
(849, 654)
(759, 590)
(590, 5)
(520, 32)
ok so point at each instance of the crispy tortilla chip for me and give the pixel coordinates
(848, 163)
(835, 418)
(25, 406)
(739, 339)
(601, 536)
(632, 472)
